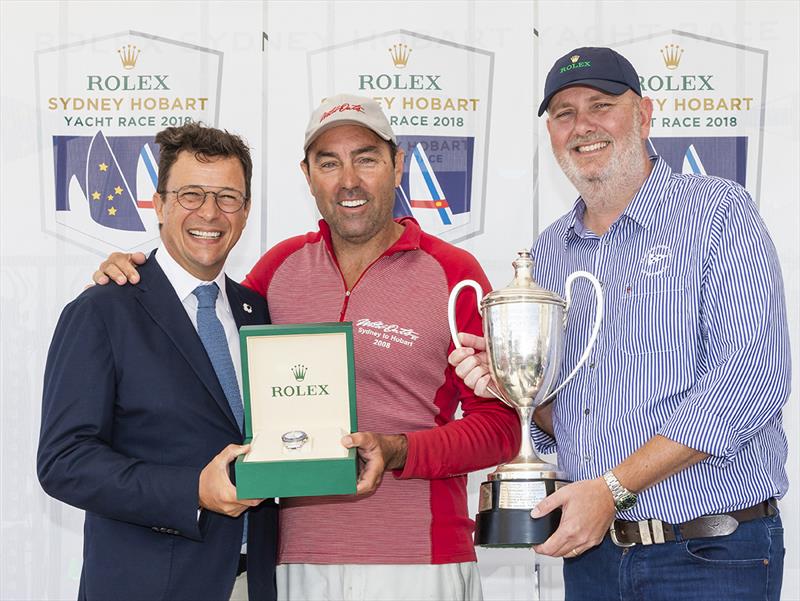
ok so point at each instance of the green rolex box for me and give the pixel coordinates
(299, 391)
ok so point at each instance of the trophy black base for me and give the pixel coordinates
(511, 528)
(506, 527)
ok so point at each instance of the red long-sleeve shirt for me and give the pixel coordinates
(403, 382)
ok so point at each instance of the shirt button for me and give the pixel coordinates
(586, 411)
(591, 366)
(587, 458)
(347, 293)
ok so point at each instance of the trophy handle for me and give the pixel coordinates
(598, 318)
(451, 306)
(451, 319)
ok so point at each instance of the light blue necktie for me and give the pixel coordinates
(212, 334)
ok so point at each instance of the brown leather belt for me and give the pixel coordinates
(648, 532)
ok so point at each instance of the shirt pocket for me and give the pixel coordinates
(654, 316)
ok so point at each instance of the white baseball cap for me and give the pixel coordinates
(348, 109)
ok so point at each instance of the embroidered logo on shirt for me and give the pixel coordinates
(657, 260)
(386, 334)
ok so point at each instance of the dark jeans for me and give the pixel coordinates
(744, 566)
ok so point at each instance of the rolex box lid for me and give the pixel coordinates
(298, 383)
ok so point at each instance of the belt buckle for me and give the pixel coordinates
(650, 533)
(613, 533)
(657, 527)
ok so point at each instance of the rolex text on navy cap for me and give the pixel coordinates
(600, 68)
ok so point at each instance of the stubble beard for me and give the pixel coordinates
(365, 229)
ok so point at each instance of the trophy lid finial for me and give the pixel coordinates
(522, 288)
(522, 270)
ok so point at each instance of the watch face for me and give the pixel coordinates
(626, 502)
(623, 498)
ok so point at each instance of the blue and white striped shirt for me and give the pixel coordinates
(694, 344)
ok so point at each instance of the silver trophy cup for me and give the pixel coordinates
(524, 327)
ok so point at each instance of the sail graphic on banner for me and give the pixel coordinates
(426, 199)
(146, 177)
(422, 195)
(106, 180)
(111, 203)
(692, 163)
(722, 156)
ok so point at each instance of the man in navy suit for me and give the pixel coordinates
(140, 418)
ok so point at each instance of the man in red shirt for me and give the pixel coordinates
(407, 535)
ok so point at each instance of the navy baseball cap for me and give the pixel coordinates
(600, 68)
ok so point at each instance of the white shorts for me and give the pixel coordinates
(441, 582)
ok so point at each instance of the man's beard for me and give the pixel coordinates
(626, 164)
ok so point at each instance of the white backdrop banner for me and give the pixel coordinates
(437, 95)
(100, 103)
(85, 86)
(707, 117)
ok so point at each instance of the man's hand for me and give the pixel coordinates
(217, 493)
(377, 453)
(472, 364)
(120, 267)
(587, 510)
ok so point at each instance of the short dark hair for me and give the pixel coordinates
(206, 143)
(392, 153)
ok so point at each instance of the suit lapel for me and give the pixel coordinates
(243, 313)
(158, 298)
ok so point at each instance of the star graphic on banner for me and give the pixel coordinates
(95, 195)
(117, 190)
(112, 211)
(103, 167)
(110, 197)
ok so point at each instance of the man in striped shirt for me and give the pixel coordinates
(672, 430)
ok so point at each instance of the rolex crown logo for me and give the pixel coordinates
(575, 58)
(299, 372)
(400, 54)
(128, 55)
(671, 53)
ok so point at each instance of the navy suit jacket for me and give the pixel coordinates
(132, 411)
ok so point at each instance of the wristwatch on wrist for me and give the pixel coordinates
(623, 498)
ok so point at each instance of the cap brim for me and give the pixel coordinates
(335, 123)
(610, 87)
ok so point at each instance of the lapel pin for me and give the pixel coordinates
(247, 308)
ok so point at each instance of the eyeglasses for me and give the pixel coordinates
(192, 198)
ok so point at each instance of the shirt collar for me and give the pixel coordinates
(184, 282)
(408, 240)
(642, 207)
